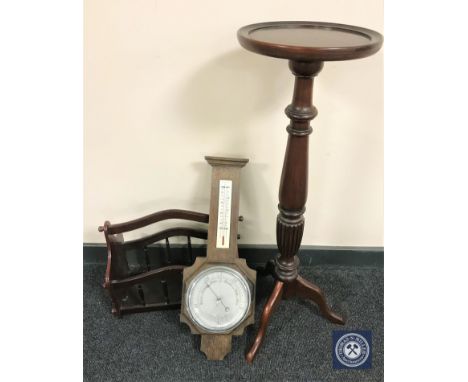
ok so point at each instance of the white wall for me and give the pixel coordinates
(167, 83)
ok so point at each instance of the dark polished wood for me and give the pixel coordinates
(154, 218)
(164, 234)
(306, 290)
(149, 287)
(300, 288)
(306, 45)
(147, 276)
(309, 40)
(268, 310)
(293, 184)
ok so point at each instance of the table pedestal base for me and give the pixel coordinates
(306, 45)
(299, 287)
(292, 199)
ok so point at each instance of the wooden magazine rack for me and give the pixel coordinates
(142, 277)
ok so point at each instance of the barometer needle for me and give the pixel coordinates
(217, 298)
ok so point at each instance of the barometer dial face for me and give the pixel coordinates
(218, 299)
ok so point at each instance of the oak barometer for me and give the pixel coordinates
(218, 292)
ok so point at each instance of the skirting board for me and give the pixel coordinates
(259, 254)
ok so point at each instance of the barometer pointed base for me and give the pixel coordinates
(215, 346)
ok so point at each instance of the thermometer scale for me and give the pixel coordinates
(224, 214)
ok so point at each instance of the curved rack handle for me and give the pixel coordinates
(165, 234)
(154, 218)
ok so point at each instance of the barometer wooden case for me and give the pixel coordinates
(218, 291)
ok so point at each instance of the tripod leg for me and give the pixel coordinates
(268, 310)
(306, 290)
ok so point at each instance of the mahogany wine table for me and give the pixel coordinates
(306, 45)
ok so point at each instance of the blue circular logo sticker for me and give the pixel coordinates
(352, 350)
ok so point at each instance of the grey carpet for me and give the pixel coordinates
(154, 346)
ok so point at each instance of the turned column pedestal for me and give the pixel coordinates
(306, 45)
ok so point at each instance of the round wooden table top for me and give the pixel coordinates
(309, 40)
